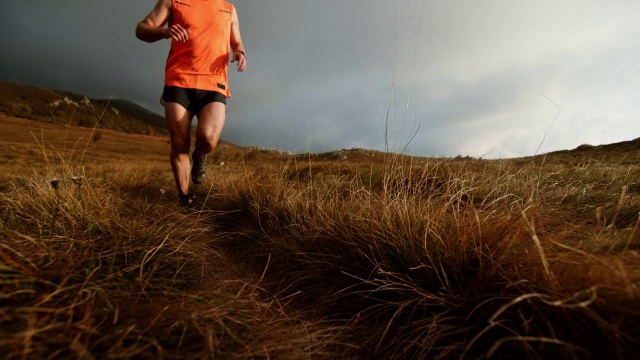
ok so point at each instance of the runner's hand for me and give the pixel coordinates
(177, 33)
(241, 59)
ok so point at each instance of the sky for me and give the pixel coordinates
(481, 78)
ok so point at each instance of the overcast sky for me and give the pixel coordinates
(457, 77)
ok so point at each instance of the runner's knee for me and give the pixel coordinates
(179, 146)
(207, 141)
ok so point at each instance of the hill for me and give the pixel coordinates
(61, 107)
(623, 153)
(138, 112)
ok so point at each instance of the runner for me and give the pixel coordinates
(203, 33)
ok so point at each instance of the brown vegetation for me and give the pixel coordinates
(61, 107)
(339, 256)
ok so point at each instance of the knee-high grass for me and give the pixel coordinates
(448, 259)
(319, 257)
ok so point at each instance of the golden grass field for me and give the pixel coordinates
(348, 255)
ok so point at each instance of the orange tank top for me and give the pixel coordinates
(202, 61)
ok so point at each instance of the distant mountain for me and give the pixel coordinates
(63, 107)
(620, 153)
(137, 111)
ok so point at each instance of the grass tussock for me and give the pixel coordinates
(313, 257)
(95, 268)
(446, 262)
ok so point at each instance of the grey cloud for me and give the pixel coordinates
(323, 74)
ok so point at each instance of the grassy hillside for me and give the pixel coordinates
(347, 255)
(61, 107)
(138, 112)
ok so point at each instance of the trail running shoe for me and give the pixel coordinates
(198, 168)
(186, 200)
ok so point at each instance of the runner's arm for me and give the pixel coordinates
(236, 43)
(151, 28)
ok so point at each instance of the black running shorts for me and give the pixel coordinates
(191, 99)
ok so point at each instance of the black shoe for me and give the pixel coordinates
(186, 200)
(199, 168)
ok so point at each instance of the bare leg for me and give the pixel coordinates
(179, 125)
(210, 123)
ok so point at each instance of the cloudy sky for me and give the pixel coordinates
(490, 78)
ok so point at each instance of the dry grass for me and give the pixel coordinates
(312, 256)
